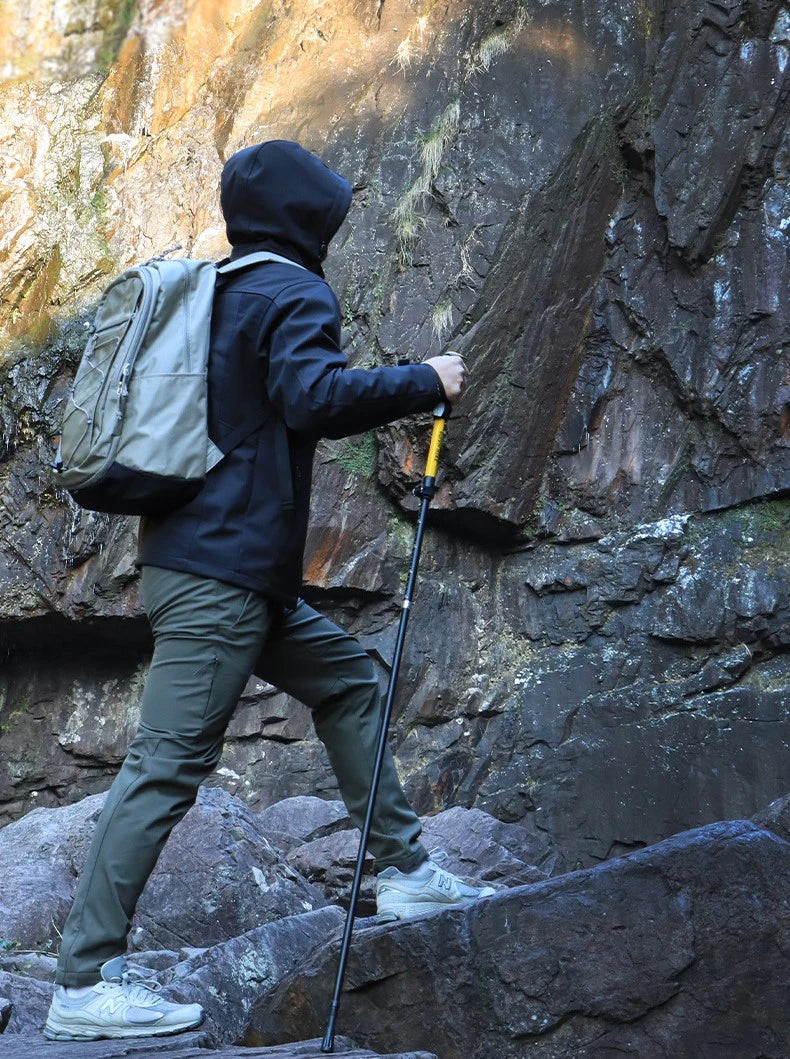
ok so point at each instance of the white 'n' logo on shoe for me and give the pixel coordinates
(444, 882)
(112, 1005)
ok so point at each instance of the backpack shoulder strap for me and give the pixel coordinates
(254, 259)
(252, 422)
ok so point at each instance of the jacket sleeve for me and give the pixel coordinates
(307, 377)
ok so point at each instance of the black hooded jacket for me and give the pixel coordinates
(275, 359)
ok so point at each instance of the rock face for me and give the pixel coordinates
(589, 200)
(676, 950)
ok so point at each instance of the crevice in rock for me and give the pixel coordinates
(50, 634)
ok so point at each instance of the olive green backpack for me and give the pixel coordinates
(135, 438)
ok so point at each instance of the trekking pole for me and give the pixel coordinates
(425, 492)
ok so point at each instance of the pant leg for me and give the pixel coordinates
(207, 636)
(309, 657)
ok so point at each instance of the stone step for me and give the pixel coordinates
(182, 1046)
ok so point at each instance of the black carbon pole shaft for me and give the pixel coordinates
(426, 492)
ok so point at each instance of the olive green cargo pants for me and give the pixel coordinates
(209, 637)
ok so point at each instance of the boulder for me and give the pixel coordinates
(218, 877)
(218, 855)
(155, 960)
(330, 862)
(478, 847)
(41, 856)
(468, 842)
(30, 965)
(28, 1002)
(775, 817)
(293, 821)
(672, 950)
(227, 978)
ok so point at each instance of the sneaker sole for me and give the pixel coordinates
(91, 1033)
(410, 911)
(394, 910)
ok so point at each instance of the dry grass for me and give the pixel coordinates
(404, 54)
(438, 140)
(407, 217)
(408, 222)
(442, 319)
(500, 41)
(408, 47)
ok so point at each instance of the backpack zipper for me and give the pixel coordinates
(150, 290)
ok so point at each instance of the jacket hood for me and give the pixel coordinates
(277, 196)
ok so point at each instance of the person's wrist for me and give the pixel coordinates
(440, 391)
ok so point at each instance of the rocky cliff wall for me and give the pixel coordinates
(591, 201)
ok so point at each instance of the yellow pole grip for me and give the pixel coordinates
(432, 463)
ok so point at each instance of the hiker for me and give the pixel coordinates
(220, 583)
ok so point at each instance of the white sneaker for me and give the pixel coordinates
(429, 889)
(123, 1004)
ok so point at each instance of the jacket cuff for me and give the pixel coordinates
(429, 378)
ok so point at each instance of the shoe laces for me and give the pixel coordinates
(138, 986)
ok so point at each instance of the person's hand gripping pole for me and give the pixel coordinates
(452, 372)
